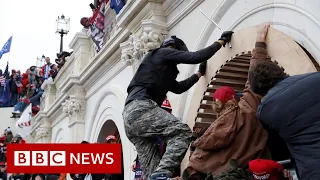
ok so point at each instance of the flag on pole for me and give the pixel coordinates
(6, 47)
(97, 27)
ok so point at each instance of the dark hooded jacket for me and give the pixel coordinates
(158, 72)
(292, 109)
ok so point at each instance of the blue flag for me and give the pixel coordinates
(6, 47)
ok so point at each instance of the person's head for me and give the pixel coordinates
(111, 139)
(84, 142)
(265, 76)
(266, 169)
(8, 131)
(32, 68)
(223, 99)
(40, 177)
(47, 60)
(85, 22)
(174, 42)
(53, 66)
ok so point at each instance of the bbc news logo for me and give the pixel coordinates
(64, 158)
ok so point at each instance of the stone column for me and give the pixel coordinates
(75, 108)
(49, 95)
(82, 49)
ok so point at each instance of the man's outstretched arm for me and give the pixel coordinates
(171, 55)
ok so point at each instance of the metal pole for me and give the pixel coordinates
(230, 46)
(61, 41)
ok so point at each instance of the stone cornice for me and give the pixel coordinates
(172, 7)
(112, 46)
(129, 12)
(75, 40)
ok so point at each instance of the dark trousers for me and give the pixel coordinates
(14, 98)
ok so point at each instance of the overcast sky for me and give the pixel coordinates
(33, 23)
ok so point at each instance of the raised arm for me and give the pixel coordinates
(185, 57)
(259, 53)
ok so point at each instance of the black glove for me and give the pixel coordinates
(226, 37)
(202, 68)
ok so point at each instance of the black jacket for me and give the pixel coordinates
(292, 109)
(13, 86)
(158, 71)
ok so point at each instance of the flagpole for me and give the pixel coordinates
(10, 48)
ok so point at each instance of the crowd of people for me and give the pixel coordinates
(19, 90)
(235, 146)
(7, 138)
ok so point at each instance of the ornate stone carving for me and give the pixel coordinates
(43, 132)
(74, 109)
(137, 47)
(152, 40)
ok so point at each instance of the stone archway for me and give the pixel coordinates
(108, 128)
(282, 48)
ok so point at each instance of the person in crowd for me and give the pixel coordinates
(54, 71)
(268, 170)
(32, 75)
(8, 134)
(24, 79)
(111, 139)
(3, 172)
(143, 117)
(2, 146)
(2, 83)
(290, 108)
(19, 75)
(46, 68)
(62, 58)
(236, 134)
(13, 89)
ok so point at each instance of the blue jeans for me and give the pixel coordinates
(35, 100)
(20, 106)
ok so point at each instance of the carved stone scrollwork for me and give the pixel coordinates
(152, 40)
(137, 47)
(74, 109)
(43, 132)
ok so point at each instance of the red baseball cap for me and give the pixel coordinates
(111, 137)
(265, 169)
(224, 94)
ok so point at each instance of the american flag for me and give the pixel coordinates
(2, 80)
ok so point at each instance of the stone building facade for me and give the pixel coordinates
(87, 98)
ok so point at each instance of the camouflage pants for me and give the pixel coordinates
(144, 122)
